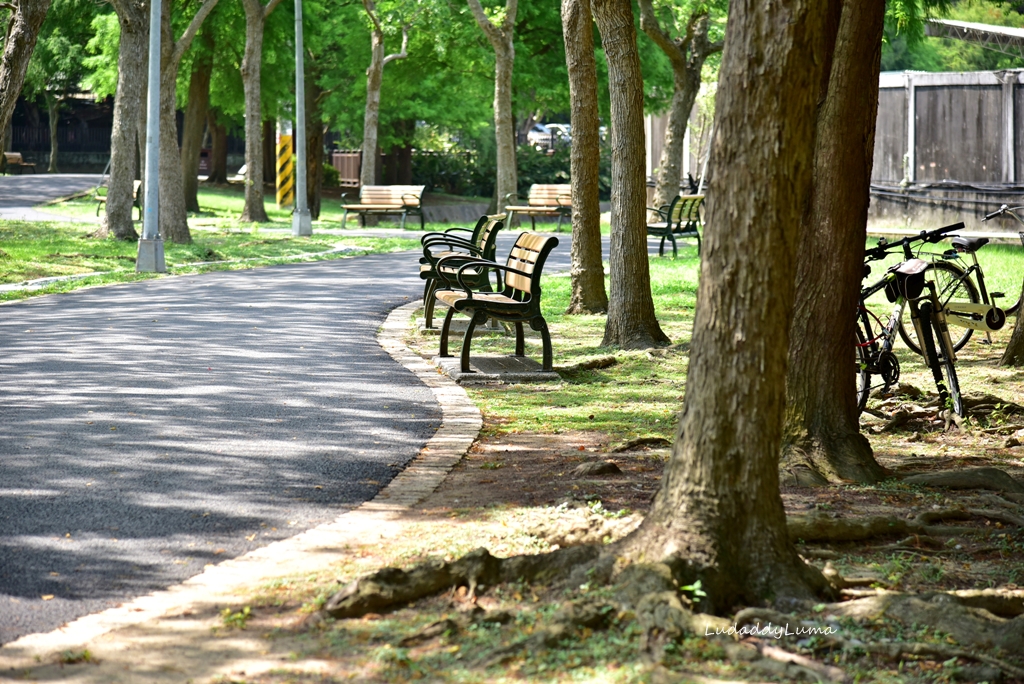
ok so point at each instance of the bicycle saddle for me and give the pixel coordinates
(969, 245)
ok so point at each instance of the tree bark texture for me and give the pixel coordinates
(195, 121)
(1014, 354)
(631, 321)
(314, 146)
(718, 512)
(173, 215)
(586, 269)
(687, 55)
(374, 80)
(252, 59)
(22, 32)
(129, 113)
(218, 150)
(501, 39)
(52, 106)
(822, 441)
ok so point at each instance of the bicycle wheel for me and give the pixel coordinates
(942, 365)
(951, 284)
(863, 359)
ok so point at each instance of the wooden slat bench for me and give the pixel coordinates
(518, 302)
(683, 218)
(387, 199)
(436, 246)
(14, 159)
(100, 195)
(543, 200)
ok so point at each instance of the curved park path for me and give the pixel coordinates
(147, 430)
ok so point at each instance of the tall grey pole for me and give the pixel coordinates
(151, 248)
(302, 223)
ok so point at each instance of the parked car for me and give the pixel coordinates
(545, 136)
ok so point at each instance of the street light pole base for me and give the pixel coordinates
(302, 223)
(151, 256)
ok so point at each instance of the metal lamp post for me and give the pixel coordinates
(302, 223)
(150, 258)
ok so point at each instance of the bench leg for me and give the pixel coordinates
(344, 217)
(428, 303)
(698, 244)
(478, 317)
(533, 223)
(423, 226)
(674, 248)
(520, 339)
(540, 325)
(402, 224)
(444, 334)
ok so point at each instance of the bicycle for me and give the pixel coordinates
(967, 304)
(904, 285)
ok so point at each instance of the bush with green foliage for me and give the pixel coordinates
(331, 178)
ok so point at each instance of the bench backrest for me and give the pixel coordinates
(487, 238)
(405, 195)
(14, 158)
(684, 210)
(549, 194)
(528, 255)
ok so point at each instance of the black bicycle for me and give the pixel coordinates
(905, 285)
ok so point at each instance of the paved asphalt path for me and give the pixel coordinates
(149, 429)
(19, 194)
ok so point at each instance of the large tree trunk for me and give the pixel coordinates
(374, 78)
(314, 146)
(218, 150)
(631, 321)
(173, 216)
(718, 513)
(501, 39)
(132, 57)
(822, 440)
(195, 121)
(1014, 354)
(20, 42)
(52, 106)
(587, 268)
(687, 55)
(251, 66)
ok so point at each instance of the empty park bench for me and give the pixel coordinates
(480, 244)
(543, 200)
(518, 302)
(100, 196)
(682, 218)
(14, 159)
(387, 199)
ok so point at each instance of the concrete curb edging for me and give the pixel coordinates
(309, 551)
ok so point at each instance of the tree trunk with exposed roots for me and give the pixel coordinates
(125, 143)
(718, 516)
(822, 441)
(587, 269)
(631, 321)
(687, 55)
(500, 38)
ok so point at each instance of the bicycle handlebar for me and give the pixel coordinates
(936, 235)
(995, 213)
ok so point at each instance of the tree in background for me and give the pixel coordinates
(57, 65)
(822, 440)
(173, 215)
(631, 322)
(718, 516)
(196, 114)
(22, 29)
(374, 80)
(501, 39)
(1014, 353)
(587, 269)
(687, 43)
(129, 116)
(256, 15)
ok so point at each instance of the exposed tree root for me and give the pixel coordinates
(975, 478)
(819, 527)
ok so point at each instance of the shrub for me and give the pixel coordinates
(330, 176)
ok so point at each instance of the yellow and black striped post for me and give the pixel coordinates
(285, 166)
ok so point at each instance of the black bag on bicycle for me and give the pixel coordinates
(908, 281)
